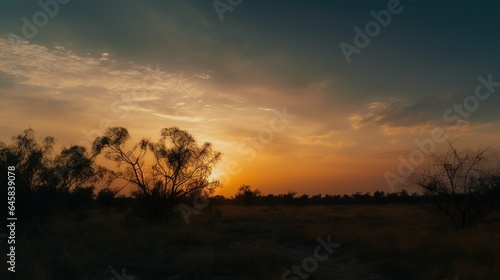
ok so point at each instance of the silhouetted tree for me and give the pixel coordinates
(46, 183)
(303, 200)
(75, 168)
(76, 173)
(289, 197)
(359, 198)
(378, 197)
(345, 199)
(176, 167)
(465, 185)
(392, 197)
(247, 196)
(316, 199)
(218, 200)
(32, 161)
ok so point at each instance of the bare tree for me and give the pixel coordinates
(47, 183)
(31, 159)
(465, 185)
(163, 172)
(75, 169)
(76, 172)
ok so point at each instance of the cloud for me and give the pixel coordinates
(58, 67)
(329, 139)
(376, 112)
(398, 117)
(62, 71)
(179, 118)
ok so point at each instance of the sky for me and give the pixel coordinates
(311, 96)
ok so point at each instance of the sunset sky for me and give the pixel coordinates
(146, 65)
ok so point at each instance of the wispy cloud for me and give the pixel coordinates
(330, 139)
(398, 117)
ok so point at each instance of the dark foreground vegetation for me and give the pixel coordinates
(172, 226)
(260, 242)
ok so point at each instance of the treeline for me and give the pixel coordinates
(464, 185)
(247, 196)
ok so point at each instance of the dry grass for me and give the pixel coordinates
(237, 242)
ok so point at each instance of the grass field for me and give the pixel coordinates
(260, 242)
